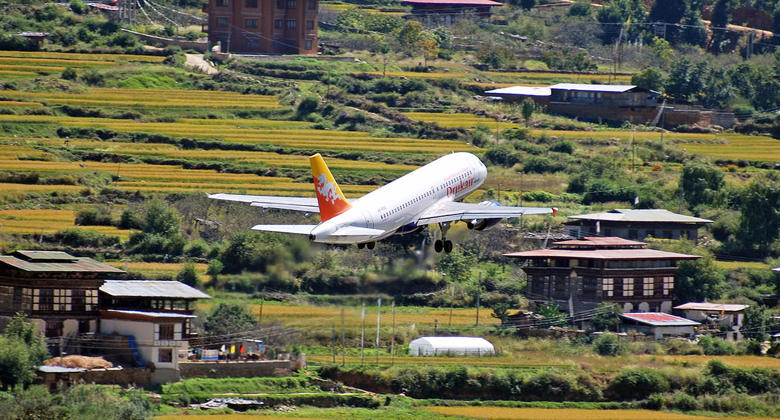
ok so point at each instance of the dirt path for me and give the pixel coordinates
(196, 62)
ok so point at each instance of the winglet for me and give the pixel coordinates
(555, 210)
(329, 196)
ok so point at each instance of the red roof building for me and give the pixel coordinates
(579, 274)
(446, 12)
(659, 325)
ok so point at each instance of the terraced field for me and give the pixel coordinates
(27, 64)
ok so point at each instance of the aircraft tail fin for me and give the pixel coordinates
(329, 196)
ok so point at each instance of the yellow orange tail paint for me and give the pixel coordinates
(329, 196)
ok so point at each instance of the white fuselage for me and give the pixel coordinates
(400, 203)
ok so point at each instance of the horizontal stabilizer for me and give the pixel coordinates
(294, 229)
(307, 204)
(357, 231)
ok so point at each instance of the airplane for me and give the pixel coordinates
(429, 195)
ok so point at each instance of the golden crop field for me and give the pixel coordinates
(457, 120)
(736, 265)
(552, 77)
(48, 221)
(159, 270)
(738, 361)
(120, 58)
(508, 413)
(418, 75)
(149, 98)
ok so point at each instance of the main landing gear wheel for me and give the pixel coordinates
(361, 246)
(443, 244)
(371, 245)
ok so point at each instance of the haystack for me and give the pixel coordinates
(75, 361)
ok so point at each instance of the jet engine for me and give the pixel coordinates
(484, 224)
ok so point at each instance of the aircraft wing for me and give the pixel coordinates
(306, 229)
(307, 204)
(450, 211)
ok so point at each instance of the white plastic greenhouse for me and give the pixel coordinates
(456, 346)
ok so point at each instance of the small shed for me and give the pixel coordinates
(716, 316)
(658, 324)
(457, 346)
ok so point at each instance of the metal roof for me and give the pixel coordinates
(715, 307)
(631, 215)
(56, 262)
(601, 241)
(521, 90)
(593, 88)
(151, 288)
(455, 2)
(659, 319)
(603, 254)
(59, 369)
(120, 312)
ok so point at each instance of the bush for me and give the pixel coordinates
(638, 383)
(610, 345)
(94, 217)
(69, 74)
(716, 347)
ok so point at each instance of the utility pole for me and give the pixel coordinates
(479, 292)
(392, 339)
(343, 341)
(362, 333)
(378, 326)
(452, 303)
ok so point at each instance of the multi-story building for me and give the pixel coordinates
(636, 224)
(55, 290)
(263, 26)
(580, 274)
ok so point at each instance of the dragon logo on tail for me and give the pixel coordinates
(327, 189)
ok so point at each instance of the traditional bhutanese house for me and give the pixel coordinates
(657, 324)
(517, 94)
(636, 224)
(155, 316)
(57, 291)
(716, 316)
(617, 103)
(579, 274)
(446, 12)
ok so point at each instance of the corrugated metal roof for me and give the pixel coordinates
(659, 319)
(146, 314)
(44, 256)
(651, 215)
(707, 306)
(151, 288)
(593, 88)
(601, 241)
(603, 254)
(521, 90)
(80, 265)
(59, 369)
(455, 2)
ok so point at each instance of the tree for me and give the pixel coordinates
(527, 109)
(21, 349)
(757, 323)
(693, 31)
(651, 78)
(668, 11)
(721, 17)
(618, 15)
(457, 265)
(552, 314)
(759, 224)
(686, 79)
(410, 35)
(229, 320)
(429, 47)
(501, 311)
(702, 183)
(214, 270)
(606, 317)
(352, 18)
(161, 219)
(189, 275)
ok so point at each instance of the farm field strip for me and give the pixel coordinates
(267, 159)
(48, 221)
(58, 62)
(509, 413)
(457, 120)
(418, 75)
(563, 77)
(121, 58)
(151, 98)
(159, 270)
(386, 359)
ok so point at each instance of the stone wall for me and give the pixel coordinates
(185, 45)
(241, 369)
(140, 376)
